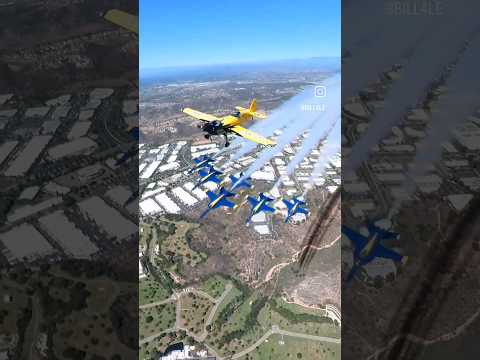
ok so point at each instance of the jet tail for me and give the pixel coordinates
(252, 110)
(253, 106)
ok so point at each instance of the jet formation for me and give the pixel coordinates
(204, 167)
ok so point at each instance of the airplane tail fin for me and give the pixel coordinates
(253, 106)
(252, 110)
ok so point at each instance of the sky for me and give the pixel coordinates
(179, 33)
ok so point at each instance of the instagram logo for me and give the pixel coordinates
(320, 91)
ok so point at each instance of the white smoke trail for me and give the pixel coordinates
(279, 118)
(330, 106)
(461, 100)
(285, 115)
(315, 136)
(395, 37)
(328, 152)
(311, 142)
(427, 63)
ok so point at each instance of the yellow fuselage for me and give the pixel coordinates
(231, 120)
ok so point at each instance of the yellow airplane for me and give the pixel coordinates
(214, 125)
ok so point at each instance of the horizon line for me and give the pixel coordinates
(170, 67)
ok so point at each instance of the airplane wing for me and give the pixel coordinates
(252, 136)
(384, 234)
(267, 208)
(383, 252)
(252, 201)
(200, 115)
(359, 240)
(302, 211)
(215, 179)
(123, 19)
(211, 195)
(288, 204)
(225, 202)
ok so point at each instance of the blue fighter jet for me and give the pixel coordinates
(200, 163)
(210, 175)
(259, 205)
(236, 183)
(369, 248)
(218, 200)
(294, 207)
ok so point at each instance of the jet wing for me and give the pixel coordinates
(215, 179)
(267, 208)
(252, 201)
(123, 19)
(200, 115)
(302, 211)
(359, 240)
(252, 136)
(383, 252)
(226, 203)
(384, 234)
(288, 204)
(211, 195)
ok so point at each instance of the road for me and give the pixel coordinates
(178, 326)
(212, 313)
(32, 330)
(157, 303)
(217, 301)
(154, 336)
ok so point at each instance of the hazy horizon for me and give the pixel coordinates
(223, 71)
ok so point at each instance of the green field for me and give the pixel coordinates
(214, 286)
(239, 325)
(297, 321)
(288, 348)
(151, 291)
(195, 310)
(234, 293)
(156, 319)
(238, 328)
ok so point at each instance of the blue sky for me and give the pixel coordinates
(204, 32)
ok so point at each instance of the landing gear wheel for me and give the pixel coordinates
(207, 136)
(227, 144)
